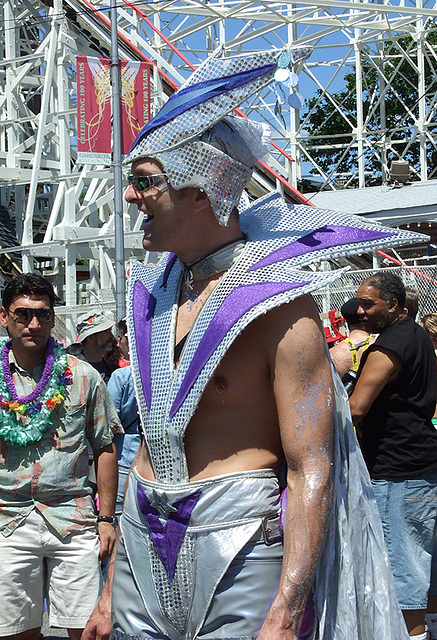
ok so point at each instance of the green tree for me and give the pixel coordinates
(331, 120)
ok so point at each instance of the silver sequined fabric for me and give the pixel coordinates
(192, 123)
(227, 516)
(198, 164)
(186, 160)
(120, 635)
(175, 596)
(269, 224)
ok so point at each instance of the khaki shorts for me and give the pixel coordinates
(36, 563)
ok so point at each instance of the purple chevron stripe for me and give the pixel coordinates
(167, 538)
(168, 267)
(323, 238)
(143, 310)
(239, 301)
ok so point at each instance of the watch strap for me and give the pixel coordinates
(109, 519)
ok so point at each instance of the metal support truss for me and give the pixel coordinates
(63, 211)
(388, 113)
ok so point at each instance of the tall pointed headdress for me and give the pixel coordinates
(194, 139)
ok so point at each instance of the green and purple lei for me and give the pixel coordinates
(24, 420)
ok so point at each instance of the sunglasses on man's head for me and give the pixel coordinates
(143, 183)
(25, 315)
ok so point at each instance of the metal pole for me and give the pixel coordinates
(117, 170)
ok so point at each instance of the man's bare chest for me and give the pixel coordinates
(191, 303)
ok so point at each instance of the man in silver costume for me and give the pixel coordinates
(237, 398)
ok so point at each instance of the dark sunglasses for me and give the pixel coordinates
(25, 315)
(143, 183)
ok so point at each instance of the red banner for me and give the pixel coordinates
(135, 100)
(94, 106)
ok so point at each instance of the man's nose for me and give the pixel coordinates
(130, 195)
(34, 323)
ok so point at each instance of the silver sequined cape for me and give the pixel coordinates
(354, 593)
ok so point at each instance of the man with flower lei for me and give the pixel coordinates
(53, 408)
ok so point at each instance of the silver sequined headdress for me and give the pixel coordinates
(195, 140)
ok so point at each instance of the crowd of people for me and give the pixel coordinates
(245, 481)
(393, 404)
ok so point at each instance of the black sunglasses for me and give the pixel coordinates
(143, 183)
(25, 315)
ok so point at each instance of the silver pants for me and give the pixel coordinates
(231, 576)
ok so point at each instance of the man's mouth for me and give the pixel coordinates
(147, 218)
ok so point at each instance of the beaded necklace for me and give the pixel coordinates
(24, 420)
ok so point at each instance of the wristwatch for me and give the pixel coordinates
(110, 519)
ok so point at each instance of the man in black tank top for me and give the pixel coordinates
(392, 406)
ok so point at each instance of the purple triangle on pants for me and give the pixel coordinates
(167, 538)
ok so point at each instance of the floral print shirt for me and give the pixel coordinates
(51, 475)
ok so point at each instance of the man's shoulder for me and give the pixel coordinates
(81, 368)
(299, 322)
(122, 373)
(297, 309)
(358, 336)
(406, 339)
(340, 348)
(75, 349)
(401, 328)
(120, 377)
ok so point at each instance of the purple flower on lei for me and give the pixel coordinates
(66, 379)
(44, 378)
(34, 407)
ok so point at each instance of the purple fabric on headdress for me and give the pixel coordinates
(323, 238)
(195, 94)
(167, 538)
(143, 308)
(168, 267)
(239, 301)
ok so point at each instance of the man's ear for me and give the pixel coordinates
(201, 199)
(394, 302)
(3, 317)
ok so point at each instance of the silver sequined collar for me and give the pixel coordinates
(216, 262)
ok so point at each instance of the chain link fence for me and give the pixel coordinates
(423, 279)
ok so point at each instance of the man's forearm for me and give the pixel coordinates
(309, 499)
(357, 412)
(106, 474)
(107, 479)
(106, 594)
(98, 626)
(308, 507)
